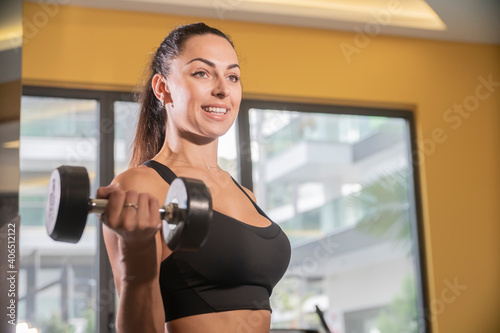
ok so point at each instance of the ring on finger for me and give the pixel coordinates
(131, 205)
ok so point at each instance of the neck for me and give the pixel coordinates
(189, 151)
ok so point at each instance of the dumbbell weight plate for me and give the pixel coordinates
(68, 208)
(192, 229)
(67, 203)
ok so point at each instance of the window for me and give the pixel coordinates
(126, 115)
(341, 186)
(57, 281)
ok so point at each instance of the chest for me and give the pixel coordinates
(228, 198)
(236, 253)
(233, 202)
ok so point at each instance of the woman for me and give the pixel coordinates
(192, 97)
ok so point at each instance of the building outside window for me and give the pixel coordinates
(340, 187)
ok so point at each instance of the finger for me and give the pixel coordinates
(143, 213)
(105, 191)
(154, 212)
(129, 211)
(114, 208)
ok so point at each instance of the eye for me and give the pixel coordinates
(234, 78)
(201, 74)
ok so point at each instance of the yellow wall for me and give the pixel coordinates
(460, 172)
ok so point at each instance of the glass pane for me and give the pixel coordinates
(57, 288)
(227, 152)
(339, 187)
(126, 115)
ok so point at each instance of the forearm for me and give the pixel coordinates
(140, 309)
(140, 304)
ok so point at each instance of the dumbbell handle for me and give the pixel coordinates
(169, 213)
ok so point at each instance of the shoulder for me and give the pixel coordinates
(142, 179)
(250, 193)
(247, 191)
(133, 177)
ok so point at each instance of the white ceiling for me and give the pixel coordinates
(475, 21)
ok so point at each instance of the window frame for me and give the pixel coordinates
(105, 297)
(416, 215)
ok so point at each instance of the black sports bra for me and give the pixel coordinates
(237, 268)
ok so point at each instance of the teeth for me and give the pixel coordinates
(212, 109)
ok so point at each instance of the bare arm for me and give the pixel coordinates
(135, 270)
(134, 247)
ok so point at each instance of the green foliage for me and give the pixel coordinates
(54, 324)
(386, 208)
(385, 204)
(91, 320)
(401, 315)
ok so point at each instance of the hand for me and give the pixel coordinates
(134, 216)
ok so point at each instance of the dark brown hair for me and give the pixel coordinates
(150, 133)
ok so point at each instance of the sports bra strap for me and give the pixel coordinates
(261, 212)
(168, 175)
(164, 171)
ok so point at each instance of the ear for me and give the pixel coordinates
(160, 88)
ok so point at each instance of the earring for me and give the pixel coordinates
(163, 103)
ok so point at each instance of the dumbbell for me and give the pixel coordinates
(187, 213)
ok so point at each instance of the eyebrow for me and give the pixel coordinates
(211, 64)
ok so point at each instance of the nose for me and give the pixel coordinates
(221, 88)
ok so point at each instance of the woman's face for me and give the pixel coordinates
(204, 85)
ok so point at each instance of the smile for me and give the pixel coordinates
(215, 110)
